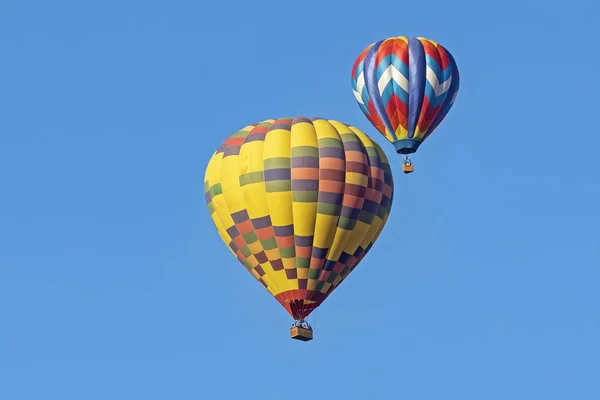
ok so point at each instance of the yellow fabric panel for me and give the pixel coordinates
(251, 157)
(303, 213)
(277, 145)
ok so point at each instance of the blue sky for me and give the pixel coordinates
(114, 283)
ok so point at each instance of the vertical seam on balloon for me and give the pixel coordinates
(286, 296)
(432, 118)
(395, 87)
(310, 286)
(243, 203)
(295, 131)
(215, 213)
(375, 235)
(310, 293)
(367, 106)
(426, 115)
(425, 109)
(416, 72)
(257, 244)
(370, 232)
(450, 98)
(227, 210)
(263, 250)
(331, 237)
(370, 186)
(339, 230)
(387, 62)
(371, 83)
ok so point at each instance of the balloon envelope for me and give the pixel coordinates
(299, 202)
(405, 86)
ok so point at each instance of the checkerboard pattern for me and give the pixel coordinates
(299, 202)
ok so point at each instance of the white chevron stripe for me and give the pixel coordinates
(357, 96)
(360, 82)
(392, 73)
(439, 89)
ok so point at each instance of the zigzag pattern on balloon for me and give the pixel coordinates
(405, 86)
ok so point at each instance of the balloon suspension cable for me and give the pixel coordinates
(407, 160)
(302, 324)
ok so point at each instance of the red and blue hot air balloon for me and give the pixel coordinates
(405, 86)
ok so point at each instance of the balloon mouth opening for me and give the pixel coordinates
(406, 146)
(300, 303)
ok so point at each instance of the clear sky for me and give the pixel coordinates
(115, 285)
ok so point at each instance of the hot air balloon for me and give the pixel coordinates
(299, 202)
(405, 86)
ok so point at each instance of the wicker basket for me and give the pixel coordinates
(299, 333)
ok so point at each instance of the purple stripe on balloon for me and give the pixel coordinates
(349, 212)
(291, 273)
(231, 151)
(355, 190)
(330, 198)
(240, 216)
(303, 241)
(377, 184)
(353, 146)
(298, 120)
(305, 162)
(416, 82)
(329, 265)
(357, 167)
(280, 125)
(281, 231)
(261, 257)
(233, 232)
(385, 201)
(255, 137)
(279, 174)
(375, 161)
(307, 185)
(344, 257)
(262, 222)
(319, 253)
(277, 264)
(332, 152)
(370, 206)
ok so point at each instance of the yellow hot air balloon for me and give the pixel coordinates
(299, 202)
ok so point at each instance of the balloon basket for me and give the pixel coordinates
(407, 168)
(302, 331)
